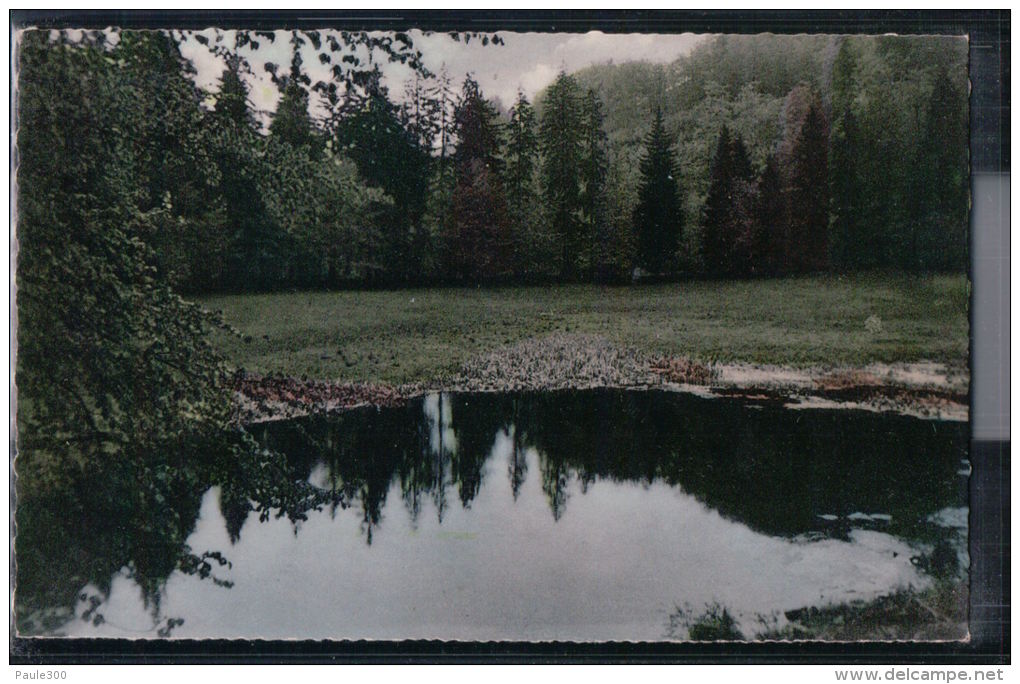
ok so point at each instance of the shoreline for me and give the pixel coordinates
(926, 390)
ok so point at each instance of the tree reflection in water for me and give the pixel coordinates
(773, 469)
(780, 472)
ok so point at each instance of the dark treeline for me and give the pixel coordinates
(875, 177)
(766, 474)
(740, 159)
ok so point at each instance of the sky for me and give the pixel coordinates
(526, 61)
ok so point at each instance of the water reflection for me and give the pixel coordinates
(780, 472)
(574, 515)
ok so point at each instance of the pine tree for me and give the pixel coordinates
(594, 173)
(232, 107)
(477, 238)
(851, 242)
(560, 135)
(531, 243)
(253, 260)
(291, 122)
(388, 157)
(807, 189)
(768, 220)
(658, 217)
(726, 228)
(941, 182)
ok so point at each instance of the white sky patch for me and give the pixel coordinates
(526, 61)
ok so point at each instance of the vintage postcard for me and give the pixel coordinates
(343, 335)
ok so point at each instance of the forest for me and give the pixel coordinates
(753, 155)
(137, 191)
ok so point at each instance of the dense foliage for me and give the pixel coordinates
(891, 119)
(751, 156)
(787, 154)
(124, 416)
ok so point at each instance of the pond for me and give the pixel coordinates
(580, 515)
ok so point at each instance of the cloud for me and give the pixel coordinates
(526, 61)
(536, 79)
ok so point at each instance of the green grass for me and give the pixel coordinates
(407, 335)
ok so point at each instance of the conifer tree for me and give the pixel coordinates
(522, 149)
(291, 122)
(768, 220)
(807, 187)
(477, 238)
(441, 178)
(726, 231)
(531, 242)
(560, 135)
(658, 217)
(849, 231)
(446, 125)
(594, 173)
(254, 238)
(232, 106)
(941, 180)
(388, 157)
(715, 241)
(849, 228)
(418, 114)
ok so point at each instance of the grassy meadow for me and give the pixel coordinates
(418, 334)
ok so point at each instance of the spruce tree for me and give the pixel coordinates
(522, 149)
(768, 220)
(443, 94)
(441, 178)
(238, 152)
(849, 248)
(531, 243)
(560, 135)
(726, 229)
(844, 80)
(850, 243)
(232, 107)
(941, 241)
(477, 237)
(291, 122)
(808, 192)
(418, 114)
(388, 157)
(658, 217)
(594, 174)
(714, 217)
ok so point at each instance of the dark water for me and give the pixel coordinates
(570, 515)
